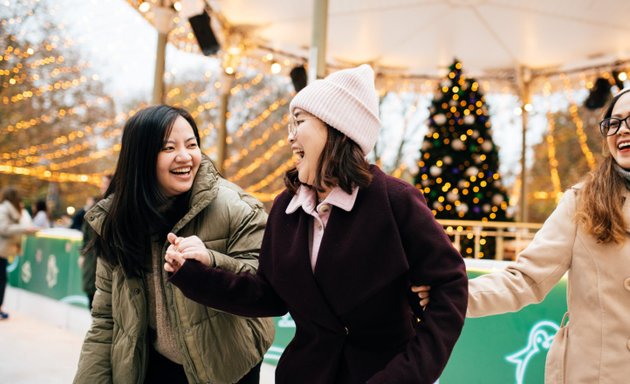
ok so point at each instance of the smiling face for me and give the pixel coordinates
(307, 143)
(179, 159)
(619, 144)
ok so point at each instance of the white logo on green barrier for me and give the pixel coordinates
(539, 340)
(26, 273)
(52, 271)
(286, 322)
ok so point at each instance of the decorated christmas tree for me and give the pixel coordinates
(459, 162)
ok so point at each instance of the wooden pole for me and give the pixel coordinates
(163, 21)
(317, 55)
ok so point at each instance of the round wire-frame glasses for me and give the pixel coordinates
(612, 125)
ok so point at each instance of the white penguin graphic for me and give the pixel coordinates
(540, 338)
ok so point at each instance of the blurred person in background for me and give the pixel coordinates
(41, 216)
(13, 224)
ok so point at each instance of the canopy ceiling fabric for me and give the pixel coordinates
(421, 37)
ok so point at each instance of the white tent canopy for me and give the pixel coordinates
(421, 37)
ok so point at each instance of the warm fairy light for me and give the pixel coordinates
(551, 154)
(260, 118)
(272, 176)
(48, 117)
(257, 142)
(144, 7)
(256, 163)
(276, 68)
(579, 124)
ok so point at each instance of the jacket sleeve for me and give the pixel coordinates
(95, 359)
(242, 294)
(246, 224)
(537, 269)
(227, 287)
(433, 261)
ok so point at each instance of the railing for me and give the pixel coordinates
(511, 238)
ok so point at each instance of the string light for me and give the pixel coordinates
(260, 118)
(579, 125)
(71, 137)
(25, 95)
(271, 177)
(60, 177)
(61, 113)
(257, 142)
(267, 197)
(551, 154)
(256, 163)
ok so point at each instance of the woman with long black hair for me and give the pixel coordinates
(143, 330)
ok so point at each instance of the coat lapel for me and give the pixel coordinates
(361, 251)
(294, 278)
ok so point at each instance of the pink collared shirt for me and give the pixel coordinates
(305, 198)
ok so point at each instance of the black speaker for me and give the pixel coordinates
(203, 33)
(298, 77)
(600, 93)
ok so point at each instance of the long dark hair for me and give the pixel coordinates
(600, 200)
(341, 163)
(137, 211)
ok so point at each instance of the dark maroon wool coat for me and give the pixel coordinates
(356, 320)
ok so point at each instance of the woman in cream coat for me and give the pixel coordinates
(587, 236)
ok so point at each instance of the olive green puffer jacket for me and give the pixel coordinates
(216, 347)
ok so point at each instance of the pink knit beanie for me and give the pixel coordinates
(347, 101)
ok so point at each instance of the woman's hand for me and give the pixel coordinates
(423, 294)
(182, 249)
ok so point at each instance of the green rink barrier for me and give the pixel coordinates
(509, 348)
(49, 266)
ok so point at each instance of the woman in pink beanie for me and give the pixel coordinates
(343, 244)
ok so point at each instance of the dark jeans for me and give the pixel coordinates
(3, 278)
(162, 370)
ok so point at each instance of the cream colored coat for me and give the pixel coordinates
(598, 296)
(12, 226)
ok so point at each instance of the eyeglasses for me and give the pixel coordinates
(294, 123)
(611, 125)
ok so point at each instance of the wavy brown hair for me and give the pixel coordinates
(341, 163)
(601, 198)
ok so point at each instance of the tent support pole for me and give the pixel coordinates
(317, 54)
(163, 24)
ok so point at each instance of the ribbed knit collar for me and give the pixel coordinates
(624, 173)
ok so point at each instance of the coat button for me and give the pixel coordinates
(136, 291)
(323, 208)
(346, 330)
(626, 284)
